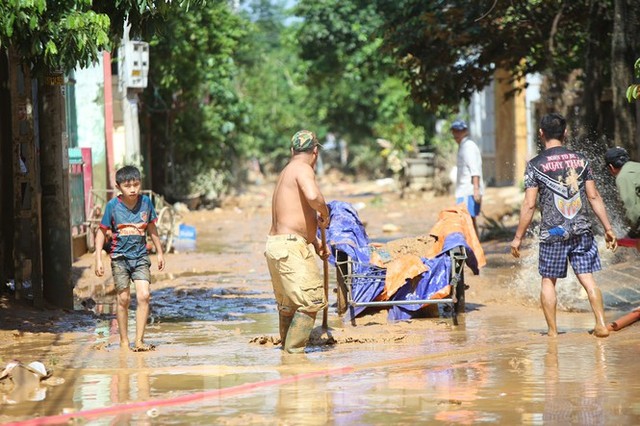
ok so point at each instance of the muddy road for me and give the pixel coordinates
(214, 324)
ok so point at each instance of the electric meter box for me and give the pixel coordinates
(134, 64)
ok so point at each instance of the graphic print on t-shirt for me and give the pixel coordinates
(560, 175)
(129, 226)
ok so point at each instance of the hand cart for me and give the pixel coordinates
(348, 280)
(165, 223)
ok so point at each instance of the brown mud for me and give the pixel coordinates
(214, 324)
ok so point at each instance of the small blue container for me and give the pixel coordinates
(186, 238)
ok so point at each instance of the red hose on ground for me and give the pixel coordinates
(628, 242)
(184, 399)
(624, 320)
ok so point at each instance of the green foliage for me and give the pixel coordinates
(197, 179)
(448, 50)
(345, 68)
(394, 122)
(270, 82)
(366, 159)
(192, 96)
(355, 84)
(54, 35)
(633, 91)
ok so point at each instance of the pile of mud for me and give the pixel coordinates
(420, 246)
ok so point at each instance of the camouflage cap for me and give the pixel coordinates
(304, 140)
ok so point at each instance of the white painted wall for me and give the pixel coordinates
(89, 93)
(482, 128)
(532, 96)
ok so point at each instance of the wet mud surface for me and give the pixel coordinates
(218, 359)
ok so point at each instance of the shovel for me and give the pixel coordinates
(325, 270)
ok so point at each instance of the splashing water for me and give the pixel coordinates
(594, 149)
(571, 296)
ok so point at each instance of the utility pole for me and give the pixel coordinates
(133, 67)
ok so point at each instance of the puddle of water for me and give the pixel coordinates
(491, 368)
(208, 304)
(461, 375)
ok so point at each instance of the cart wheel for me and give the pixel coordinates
(165, 225)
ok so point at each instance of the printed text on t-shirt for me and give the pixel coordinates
(562, 161)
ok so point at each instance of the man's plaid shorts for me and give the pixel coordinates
(580, 250)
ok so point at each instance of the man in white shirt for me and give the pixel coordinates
(469, 183)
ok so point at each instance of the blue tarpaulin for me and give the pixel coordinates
(347, 234)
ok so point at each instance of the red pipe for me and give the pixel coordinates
(184, 399)
(624, 320)
(628, 242)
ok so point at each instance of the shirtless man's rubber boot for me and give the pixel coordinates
(285, 322)
(299, 331)
(595, 298)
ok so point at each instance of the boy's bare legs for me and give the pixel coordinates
(142, 311)
(548, 300)
(122, 315)
(595, 299)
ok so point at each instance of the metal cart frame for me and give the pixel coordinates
(346, 279)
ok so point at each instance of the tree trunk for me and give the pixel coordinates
(6, 173)
(593, 121)
(56, 214)
(621, 73)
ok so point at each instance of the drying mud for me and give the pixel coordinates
(218, 359)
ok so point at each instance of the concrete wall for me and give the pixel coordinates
(503, 124)
(482, 129)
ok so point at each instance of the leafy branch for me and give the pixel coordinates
(633, 91)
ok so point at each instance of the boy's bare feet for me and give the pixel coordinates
(143, 347)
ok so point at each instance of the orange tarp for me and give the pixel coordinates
(456, 219)
(398, 271)
(409, 266)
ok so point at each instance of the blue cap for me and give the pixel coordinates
(459, 125)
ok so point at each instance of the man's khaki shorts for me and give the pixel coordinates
(296, 278)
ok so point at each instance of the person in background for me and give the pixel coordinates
(564, 182)
(469, 182)
(129, 217)
(298, 208)
(627, 174)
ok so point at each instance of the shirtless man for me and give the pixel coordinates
(298, 208)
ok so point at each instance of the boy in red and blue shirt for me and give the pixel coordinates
(129, 217)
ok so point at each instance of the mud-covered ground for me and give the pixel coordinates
(214, 324)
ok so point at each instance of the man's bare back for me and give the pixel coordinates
(296, 200)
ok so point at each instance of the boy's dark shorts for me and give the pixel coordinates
(126, 270)
(580, 250)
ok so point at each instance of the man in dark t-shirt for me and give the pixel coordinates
(564, 181)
